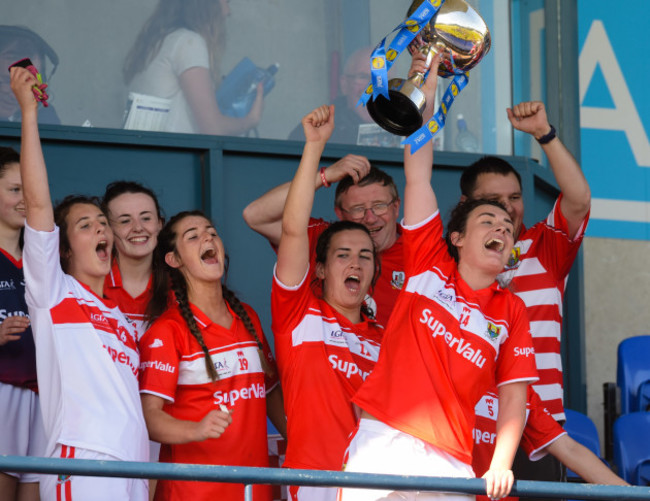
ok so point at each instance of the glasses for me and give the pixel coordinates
(357, 213)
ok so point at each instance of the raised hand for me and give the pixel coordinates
(355, 166)
(530, 117)
(319, 124)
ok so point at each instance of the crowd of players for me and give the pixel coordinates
(400, 348)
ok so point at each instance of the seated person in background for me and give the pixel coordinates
(542, 435)
(17, 42)
(365, 195)
(176, 56)
(353, 82)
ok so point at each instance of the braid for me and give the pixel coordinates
(180, 289)
(241, 312)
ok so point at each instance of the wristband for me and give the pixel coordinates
(548, 137)
(326, 183)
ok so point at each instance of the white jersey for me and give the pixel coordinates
(86, 358)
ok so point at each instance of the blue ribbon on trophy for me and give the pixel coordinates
(459, 33)
(382, 60)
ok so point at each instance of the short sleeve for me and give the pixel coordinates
(288, 304)
(44, 278)
(160, 360)
(190, 51)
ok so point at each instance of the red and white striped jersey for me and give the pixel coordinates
(445, 345)
(173, 368)
(538, 273)
(323, 359)
(133, 308)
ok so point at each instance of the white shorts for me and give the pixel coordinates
(21, 426)
(80, 487)
(379, 448)
(310, 493)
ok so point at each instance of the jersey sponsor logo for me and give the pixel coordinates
(337, 337)
(346, 367)
(157, 343)
(460, 345)
(4, 314)
(483, 437)
(524, 352)
(255, 390)
(7, 285)
(121, 357)
(397, 280)
(157, 365)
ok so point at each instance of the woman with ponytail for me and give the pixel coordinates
(206, 368)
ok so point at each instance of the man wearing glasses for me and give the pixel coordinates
(364, 194)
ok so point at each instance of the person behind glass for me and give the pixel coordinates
(176, 56)
(364, 194)
(325, 343)
(542, 257)
(21, 425)
(457, 331)
(16, 43)
(86, 353)
(136, 219)
(349, 116)
(208, 379)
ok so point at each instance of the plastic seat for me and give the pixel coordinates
(582, 429)
(633, 373)
(632, 447)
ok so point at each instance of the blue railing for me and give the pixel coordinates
(280, 476)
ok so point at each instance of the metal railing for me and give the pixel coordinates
(281, 476)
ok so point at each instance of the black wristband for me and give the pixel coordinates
(548, 137)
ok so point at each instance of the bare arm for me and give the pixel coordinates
(166, 429)
(584, 462)
(293, 251)
(38, 203)
(198, 90)
(530, 117)
(510, 425)
(275, 410)
(419, 198)
(264, 215)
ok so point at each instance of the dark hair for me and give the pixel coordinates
(166, 279)
(117, 188)
(375, 175)
(7, 156)
(484, 165)
(458, 219)
(204, 17)
(61, 211)
(323, 246)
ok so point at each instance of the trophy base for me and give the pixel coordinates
(402, 113)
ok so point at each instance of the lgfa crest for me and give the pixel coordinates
(493, 331)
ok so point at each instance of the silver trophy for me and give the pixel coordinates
(457, 32)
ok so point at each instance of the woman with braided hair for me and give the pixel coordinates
(206, 368)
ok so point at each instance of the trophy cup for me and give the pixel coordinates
(459, 33)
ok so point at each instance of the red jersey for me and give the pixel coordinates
(389, 283)
(133, 308)
(444, 346)
(540, 431)
(173, 367)
(538, 273)
(323, 359)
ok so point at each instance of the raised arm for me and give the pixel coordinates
(293, 251)
(510, 425)
(530, 117)
(419, 198)
(264, 215)
(38, 203)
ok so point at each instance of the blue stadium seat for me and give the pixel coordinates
(633, 373)
(632, 447)
(582, 429)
